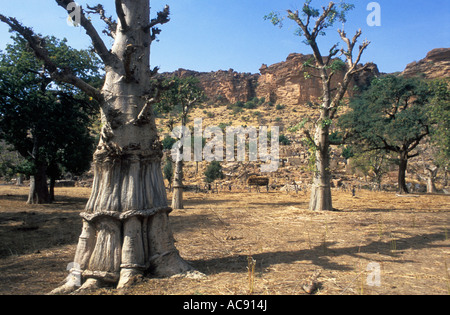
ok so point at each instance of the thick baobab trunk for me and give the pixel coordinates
(177, 198)
(321, 188)
(402, 166)
(126, 229)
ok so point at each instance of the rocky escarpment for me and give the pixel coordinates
(223, 86)
(286, 83)
(282, 83)
(435, 65)
(290, 83)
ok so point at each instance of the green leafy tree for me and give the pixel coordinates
(168, 142)
(213, 172)
(46, 122)
(284, 140)
(313, 23)
(438, 145)
(391, 115)
(439, 113)
(11, 162)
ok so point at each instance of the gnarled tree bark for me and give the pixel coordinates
(128, 207)
(126, 229)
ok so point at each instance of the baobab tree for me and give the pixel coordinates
(126, 227)
(312, 24)
(180, 97)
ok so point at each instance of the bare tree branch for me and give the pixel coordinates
(100, 47)
(162, 18)
(296, 17)
(333, 52)
(121, 15)
(310, 139)
(310, 36)
(350, 47)
(352, 65)
(319, 23)
(111, 24)
(143, 116)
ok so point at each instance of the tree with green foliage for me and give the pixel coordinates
(126, 228)
(180, 95)
(314, 23)
(168, 142)
(284, 140)
(439, 113)
(213, 172)
(391, 115)
(438, 144)
(12, 164)
(47, 122)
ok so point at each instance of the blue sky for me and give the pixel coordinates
(210, 35)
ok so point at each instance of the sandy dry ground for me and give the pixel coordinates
(376, 243)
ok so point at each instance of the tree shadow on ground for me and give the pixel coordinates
(32, 228)
(322, 255)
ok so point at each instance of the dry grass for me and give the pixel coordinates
(217, 234)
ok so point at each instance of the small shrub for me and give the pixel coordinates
(213, 172)
(250, 105)
(284, 140)
(239, 104)
(168, 142)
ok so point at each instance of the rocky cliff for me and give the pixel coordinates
(223, 86)
(282, 83)
(435, 65)
(286, 82)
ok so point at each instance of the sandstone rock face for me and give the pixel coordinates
(435, 65)
(288, 82)
(282, 83)
(285, 82)
(223, 86)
